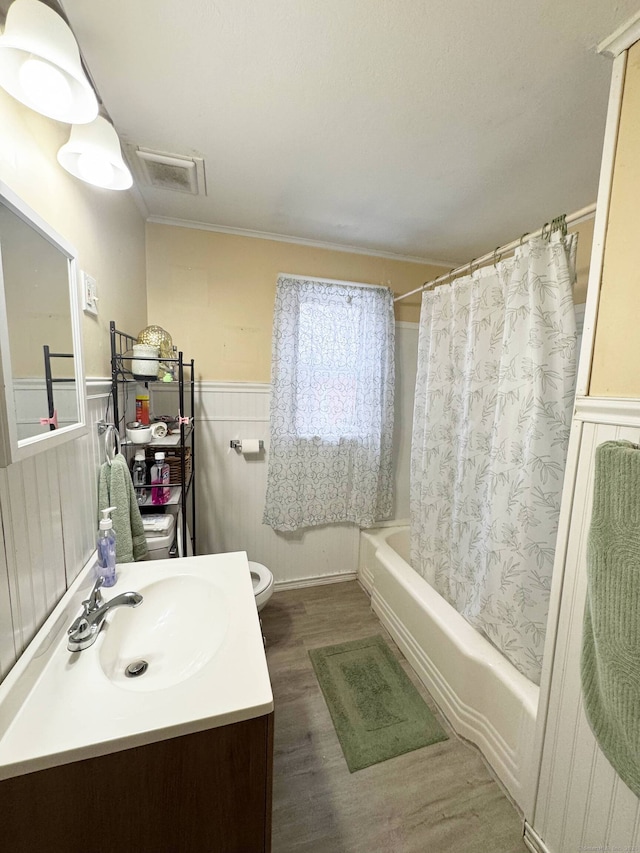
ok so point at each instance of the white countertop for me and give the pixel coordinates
(57, 706)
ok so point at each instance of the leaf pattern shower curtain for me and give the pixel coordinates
(332, 382)
(494, 396)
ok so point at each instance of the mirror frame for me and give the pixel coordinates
(12, 450)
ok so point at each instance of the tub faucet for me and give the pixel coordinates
(85, 629)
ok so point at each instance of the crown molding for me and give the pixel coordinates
(299, 241)
(622, 38)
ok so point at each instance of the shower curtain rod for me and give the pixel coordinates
(573, 219)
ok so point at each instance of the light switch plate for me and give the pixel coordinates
(89, 294)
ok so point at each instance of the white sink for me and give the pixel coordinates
(177, 629)
(197, 628)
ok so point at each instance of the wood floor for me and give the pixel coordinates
(438, 799)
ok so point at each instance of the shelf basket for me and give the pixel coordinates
(172, 457)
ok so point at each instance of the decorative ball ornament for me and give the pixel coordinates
(156, 336)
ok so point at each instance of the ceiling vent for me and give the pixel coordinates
(169, 171)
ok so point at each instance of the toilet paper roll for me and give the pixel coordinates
(250, 445)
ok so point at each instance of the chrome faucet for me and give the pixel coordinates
(85, 629)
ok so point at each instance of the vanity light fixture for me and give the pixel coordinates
(40, 64)
(93, 154)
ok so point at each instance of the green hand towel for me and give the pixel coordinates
(115, 488)
(610, 665)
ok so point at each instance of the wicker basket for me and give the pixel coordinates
(172, 457)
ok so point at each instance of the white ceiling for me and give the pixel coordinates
(433, 129)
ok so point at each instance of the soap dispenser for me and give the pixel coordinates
(107, 548)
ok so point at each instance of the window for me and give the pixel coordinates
(331, 405)
(327, 372)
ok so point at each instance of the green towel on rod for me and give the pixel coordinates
(115, 488)
(610, 666)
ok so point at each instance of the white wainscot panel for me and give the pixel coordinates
(78, 464)
(581, 802)
(30, 397)
(231, 489)
(48, 506)
(405, 385)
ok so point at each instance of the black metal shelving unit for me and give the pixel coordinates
(121, 377)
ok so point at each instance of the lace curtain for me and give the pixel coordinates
(494, 396)
(331, 405)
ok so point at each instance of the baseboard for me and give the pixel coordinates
(317, 581)
(366, 578)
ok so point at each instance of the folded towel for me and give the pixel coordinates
(115, 488)
(610, 666)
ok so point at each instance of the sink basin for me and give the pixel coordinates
(197, 628)
(177, 629)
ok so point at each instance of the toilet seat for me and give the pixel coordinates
(261, 577)
(262, 581)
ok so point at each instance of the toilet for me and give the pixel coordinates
(159, 532)
(262, 580)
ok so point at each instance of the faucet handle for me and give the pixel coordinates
(80, 625)
(95, 597)
(80, 629)
(89, 605)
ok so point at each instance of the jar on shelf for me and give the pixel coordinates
(144, 364)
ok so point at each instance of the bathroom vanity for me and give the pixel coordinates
(209, 791)
(177, 759)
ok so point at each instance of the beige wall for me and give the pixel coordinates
(214, 292)
(105, 227)
(616, 360)
(583, 259)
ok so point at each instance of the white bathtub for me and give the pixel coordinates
(483, 696)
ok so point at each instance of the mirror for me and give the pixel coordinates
(43, 399)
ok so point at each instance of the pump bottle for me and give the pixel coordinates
(107, 548)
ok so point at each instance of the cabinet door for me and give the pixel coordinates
(209, 791)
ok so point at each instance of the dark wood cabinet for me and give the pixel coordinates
(208, 792)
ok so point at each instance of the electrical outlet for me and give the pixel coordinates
(89, 294)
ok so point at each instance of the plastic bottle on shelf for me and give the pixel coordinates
(106, 547)
(160, 491)
(139, 476)
(142, 409)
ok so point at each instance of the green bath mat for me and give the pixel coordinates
(376, 710)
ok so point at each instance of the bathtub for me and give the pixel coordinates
(483, 696)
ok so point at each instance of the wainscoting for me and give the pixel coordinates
(581, 803)
(231, 487)
(30, 397)
(48, 504)
(48, 508)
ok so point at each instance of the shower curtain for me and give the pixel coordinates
(494, 396)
